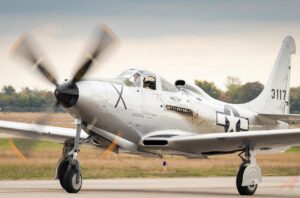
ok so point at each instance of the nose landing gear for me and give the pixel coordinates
(68, 168)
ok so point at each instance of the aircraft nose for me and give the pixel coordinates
(67, 94)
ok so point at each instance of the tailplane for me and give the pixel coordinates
(274, 99)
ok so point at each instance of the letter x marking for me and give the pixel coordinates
(120, 97)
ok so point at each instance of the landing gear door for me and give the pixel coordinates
(151, 103)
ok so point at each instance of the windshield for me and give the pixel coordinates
(131, 78)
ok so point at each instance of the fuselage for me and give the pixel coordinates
(133, 112)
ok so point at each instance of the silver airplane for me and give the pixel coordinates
(142, 113)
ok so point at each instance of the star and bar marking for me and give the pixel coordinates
(231, 120)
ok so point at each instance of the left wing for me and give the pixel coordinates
(38, 132)
(222, 143)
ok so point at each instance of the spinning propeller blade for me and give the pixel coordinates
(25, 48)
(111, 147)
(49, 111)
(15, 149)
(105, 39)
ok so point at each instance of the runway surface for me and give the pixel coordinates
(144, 188)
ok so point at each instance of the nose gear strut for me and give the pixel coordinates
(68, 168)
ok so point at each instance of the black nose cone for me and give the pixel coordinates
(67, 94)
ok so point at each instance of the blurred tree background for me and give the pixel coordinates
(33, 100)
(295, 100)
(26, 100)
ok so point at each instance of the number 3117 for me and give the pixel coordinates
(278, 94)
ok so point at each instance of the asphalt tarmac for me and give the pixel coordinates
(144, 188)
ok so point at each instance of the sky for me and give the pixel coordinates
(205, 40)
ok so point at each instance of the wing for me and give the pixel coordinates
(38, 132)
(288, 118)
(222, 143)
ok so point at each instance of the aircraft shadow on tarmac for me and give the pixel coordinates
(223, 192)
(212, 193)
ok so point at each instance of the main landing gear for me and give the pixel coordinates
(249, 174)
(68, 168)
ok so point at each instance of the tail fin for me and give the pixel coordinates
(274, 99)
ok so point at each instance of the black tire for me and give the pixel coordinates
(62, 169)
(244, 190)
(70, 184)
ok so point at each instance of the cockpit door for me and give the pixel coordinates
(151, 102)
(134, 91)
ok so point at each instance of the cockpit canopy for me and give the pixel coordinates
(146, 80)
(131, 78)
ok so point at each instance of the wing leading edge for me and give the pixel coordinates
(38, 132)
(222, 143)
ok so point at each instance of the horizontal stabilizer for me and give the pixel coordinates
(288, 118)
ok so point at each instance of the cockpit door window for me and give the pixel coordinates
(149, 82)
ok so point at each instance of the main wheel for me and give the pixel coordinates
(70, 183)
(244, 190)
(62, 169)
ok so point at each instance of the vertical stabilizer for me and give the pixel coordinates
(274, 99)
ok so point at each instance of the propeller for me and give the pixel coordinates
(111, 147)
(66, 93)
(25, 48)
(16, 150)
(102, 42)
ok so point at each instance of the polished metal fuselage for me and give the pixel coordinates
(112, 109)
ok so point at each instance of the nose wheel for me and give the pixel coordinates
(68, 169)
(61, 171)
(72, 180)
